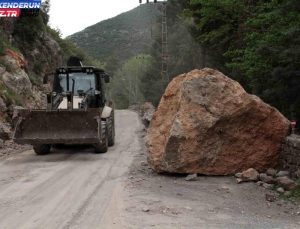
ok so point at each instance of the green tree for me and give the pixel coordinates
(257, 42)
(126, 84)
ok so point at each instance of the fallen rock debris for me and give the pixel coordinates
(269, 180)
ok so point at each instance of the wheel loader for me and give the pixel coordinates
(76, 112)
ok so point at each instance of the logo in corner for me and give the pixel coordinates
(19, 8)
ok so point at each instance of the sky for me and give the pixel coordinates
(71, 16)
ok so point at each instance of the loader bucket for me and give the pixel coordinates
(58, 127)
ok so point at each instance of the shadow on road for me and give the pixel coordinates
(60, 153)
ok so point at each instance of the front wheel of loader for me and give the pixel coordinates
(102, 147)
(42, 149)
(111, 130)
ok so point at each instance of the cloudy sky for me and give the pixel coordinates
(71, 16)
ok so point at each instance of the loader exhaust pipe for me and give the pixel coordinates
(70, 100)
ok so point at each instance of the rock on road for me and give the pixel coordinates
(69, 188)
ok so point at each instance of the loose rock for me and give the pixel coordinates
(145, 209)
(239, 180)
(238, 175)
(203, 123)
(268, 186)
(271, 197)
(267, 179)
(259, 183)
(143, 163)
(280, 190)
(271, 172)
(297, 173)
(192, 177)
(286, 183)
(283, 174)
(288, 194)
(250, 175)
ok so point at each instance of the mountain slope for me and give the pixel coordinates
(121, 37)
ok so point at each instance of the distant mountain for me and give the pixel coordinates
(121, 37)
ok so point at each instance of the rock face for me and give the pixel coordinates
(15, 76)
(206, 123)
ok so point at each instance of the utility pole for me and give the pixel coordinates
(162, 5)
(164, 43)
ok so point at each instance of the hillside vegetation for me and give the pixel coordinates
(134, 39)
(120, 38)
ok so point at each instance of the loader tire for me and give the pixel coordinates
(111, 130)
(42, 149)
(102, 147)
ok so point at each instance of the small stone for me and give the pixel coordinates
(280, 190)
(188, 208)
(250, 175)
(238, 175)
(192, 177)
(267, 179)
(271, 172)
(286, 183)
(283, 174)
(259, 183)
(268, 186)
(145, 209)
(287, 193)
(271, 197)
(143, 163)
(297, 173)
(239, 180)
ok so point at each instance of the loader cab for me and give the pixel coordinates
(85, 84)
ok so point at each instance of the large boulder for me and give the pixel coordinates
(206, 123)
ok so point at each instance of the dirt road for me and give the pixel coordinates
(75, 188)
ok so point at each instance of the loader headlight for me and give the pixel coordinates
(89, 71)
